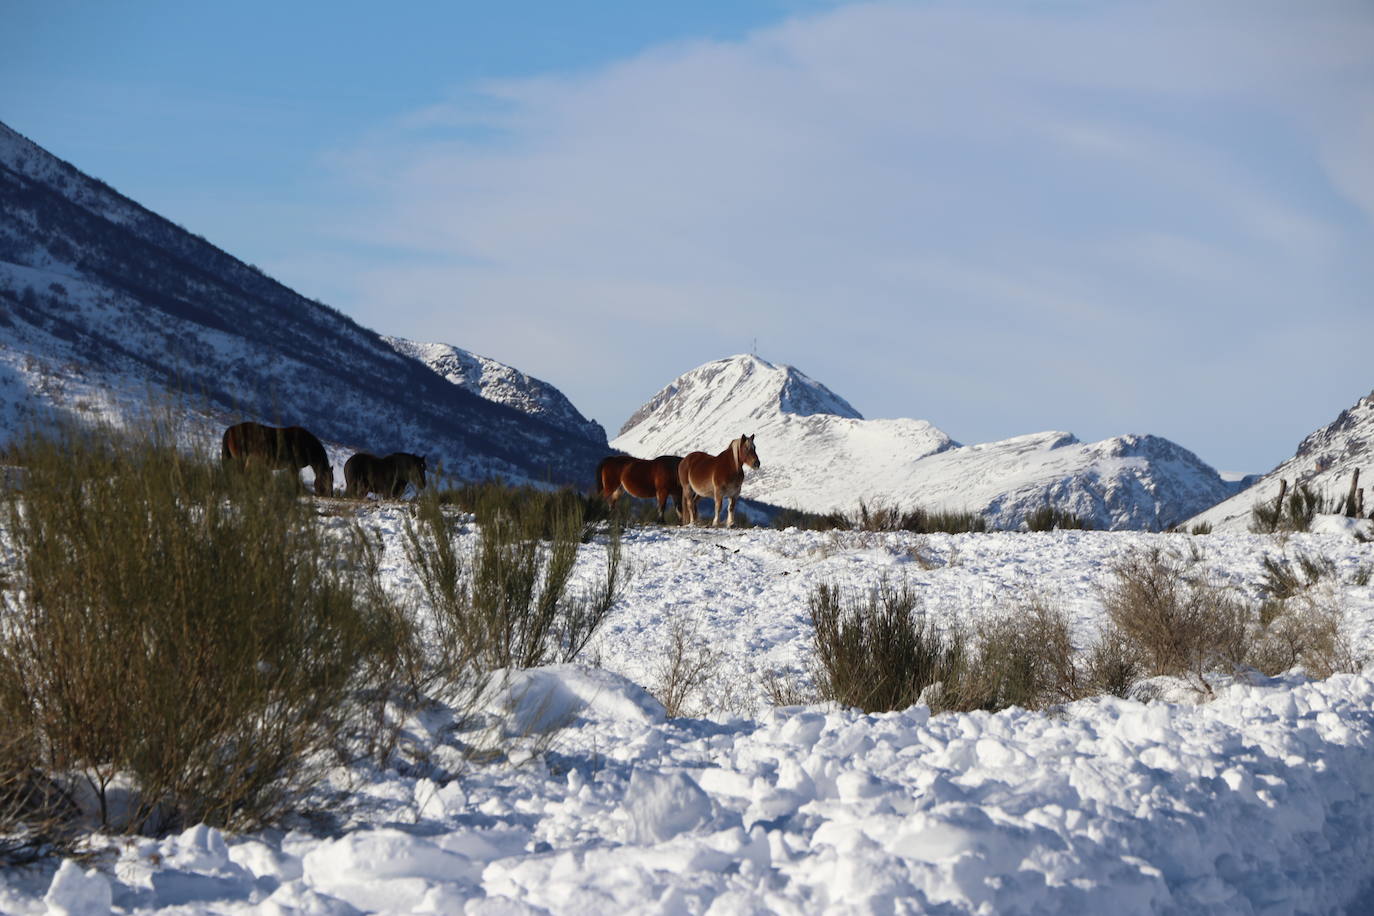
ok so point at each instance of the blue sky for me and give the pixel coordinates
(1101, 217)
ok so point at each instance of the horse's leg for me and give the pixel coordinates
(730, 518)
(715, 516)
(661, 494)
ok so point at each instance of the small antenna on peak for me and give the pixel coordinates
(755, 351)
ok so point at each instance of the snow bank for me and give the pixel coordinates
(1259, 801)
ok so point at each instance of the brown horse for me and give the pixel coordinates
(654, 478)
(291, 447)
(387, 477)
(717, 476)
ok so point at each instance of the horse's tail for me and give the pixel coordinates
(227, 445)
(598, 486)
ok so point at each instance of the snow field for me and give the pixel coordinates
(1259, 801)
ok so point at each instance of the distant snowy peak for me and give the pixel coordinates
(1138, 482)
(501, 383)
(740, 387)
(1324, 461)
(1348, 438)
(821, 455)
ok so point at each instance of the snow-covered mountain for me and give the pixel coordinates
(104, 303)
(811, 442)
(1324, 461)
(820, 454)
(503, 384)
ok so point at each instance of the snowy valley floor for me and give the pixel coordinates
(1258, 801)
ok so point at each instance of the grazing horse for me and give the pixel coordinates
(654, 478)
(717, 476)
(280, 448)
(387, 477)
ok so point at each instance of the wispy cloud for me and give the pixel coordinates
(898, 197)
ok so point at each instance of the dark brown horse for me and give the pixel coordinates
(653, 478)
(285, 448)
(387, 477)
(717, 476)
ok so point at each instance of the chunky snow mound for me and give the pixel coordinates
(1324, 461)
(501, 383)
(1261, 800)
(820, 455)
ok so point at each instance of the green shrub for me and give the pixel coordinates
(884, 517)
(1294, 511)
(810, 521)
(197, 635)
(1283, 581)
(1048, 518)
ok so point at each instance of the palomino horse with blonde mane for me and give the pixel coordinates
(279, 448)
(717, 476)
(651, 478)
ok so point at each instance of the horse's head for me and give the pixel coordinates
(748, 456)
(417, 474)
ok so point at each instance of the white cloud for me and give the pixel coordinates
(983, 181)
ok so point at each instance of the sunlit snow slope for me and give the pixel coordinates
(1324, 461)
(502, 384)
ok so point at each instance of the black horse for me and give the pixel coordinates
(290, 447)
(387, 477)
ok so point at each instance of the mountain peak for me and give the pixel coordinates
(821, 455)
(745, 388)
(1324, 461)
(501, 383)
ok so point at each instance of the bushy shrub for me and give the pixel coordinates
(505, 601)
(537, 506)
(1048, 518)
(684, 668)
(1294, 510)
(810, 521)
(1114, 664)
(1024, 657)
(885, 517)
(196, 636)
(878, 651)
(1282, 580)
(1179, 624)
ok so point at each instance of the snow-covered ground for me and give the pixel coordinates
(1259, 801)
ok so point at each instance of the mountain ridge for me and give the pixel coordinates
(1324, 460)
(104, 295)
(823, 462)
